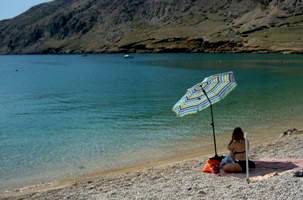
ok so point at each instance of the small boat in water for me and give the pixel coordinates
(127, 56)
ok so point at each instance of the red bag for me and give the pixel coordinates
(212, 166)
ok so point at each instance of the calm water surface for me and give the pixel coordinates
(68, 115)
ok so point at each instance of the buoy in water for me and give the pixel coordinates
(128, 56)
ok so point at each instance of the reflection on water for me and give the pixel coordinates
(66, 115)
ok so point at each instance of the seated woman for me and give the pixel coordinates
(237, 151)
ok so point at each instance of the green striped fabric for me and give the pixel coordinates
(217, 87)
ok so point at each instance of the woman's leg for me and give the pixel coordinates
(229, 168)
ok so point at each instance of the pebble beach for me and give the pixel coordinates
(180, 180)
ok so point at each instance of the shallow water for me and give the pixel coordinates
(68, 115)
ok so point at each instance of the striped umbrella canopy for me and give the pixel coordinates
(214, 88)
(204, 94)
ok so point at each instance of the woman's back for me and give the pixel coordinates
(237, 149)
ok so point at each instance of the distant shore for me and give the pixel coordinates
(236, 51)
(176, 179)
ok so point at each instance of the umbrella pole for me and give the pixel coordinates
(213, 126)
(212, 121)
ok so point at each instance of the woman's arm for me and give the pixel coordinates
(230, 146)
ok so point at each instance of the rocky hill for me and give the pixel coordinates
(97, 26)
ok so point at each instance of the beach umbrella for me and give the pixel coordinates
(204, 94)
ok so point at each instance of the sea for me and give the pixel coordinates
(68, 115)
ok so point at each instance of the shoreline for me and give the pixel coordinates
(179, 180)
(164, 162)
(245, 51)
(248, 51)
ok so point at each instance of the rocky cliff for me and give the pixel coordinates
(97, 26)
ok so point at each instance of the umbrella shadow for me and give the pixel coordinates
(266, 169)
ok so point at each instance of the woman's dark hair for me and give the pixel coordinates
(237, 134)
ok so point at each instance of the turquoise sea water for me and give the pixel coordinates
(68, 115)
